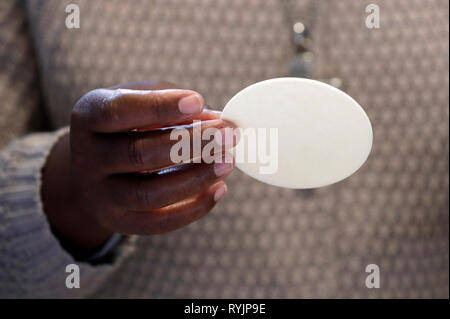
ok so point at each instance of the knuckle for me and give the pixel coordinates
(158, 102)
(136, 152)
(142, 196)
(106, 108)
(92, 108)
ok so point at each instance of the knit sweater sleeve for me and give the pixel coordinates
(32, 262)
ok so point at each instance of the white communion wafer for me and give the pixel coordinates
(298, 133)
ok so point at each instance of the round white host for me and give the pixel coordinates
(308, 133)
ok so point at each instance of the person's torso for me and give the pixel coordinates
(264, 241)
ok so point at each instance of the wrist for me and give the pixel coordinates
(76, 229)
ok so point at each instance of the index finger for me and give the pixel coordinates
(118, 110)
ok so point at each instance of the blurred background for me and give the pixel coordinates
(263, 241)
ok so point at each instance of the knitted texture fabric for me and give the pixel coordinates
(260, 241)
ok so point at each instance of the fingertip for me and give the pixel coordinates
(227, 136)
(191, 104)
(220, 191)
(223, 168)
(228, 123)
(211, 114)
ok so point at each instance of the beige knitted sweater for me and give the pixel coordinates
(261, 241)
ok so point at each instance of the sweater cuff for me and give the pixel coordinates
(32, 261)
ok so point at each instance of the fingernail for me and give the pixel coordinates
(221, 169)
(190, 104)
(220, 192)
